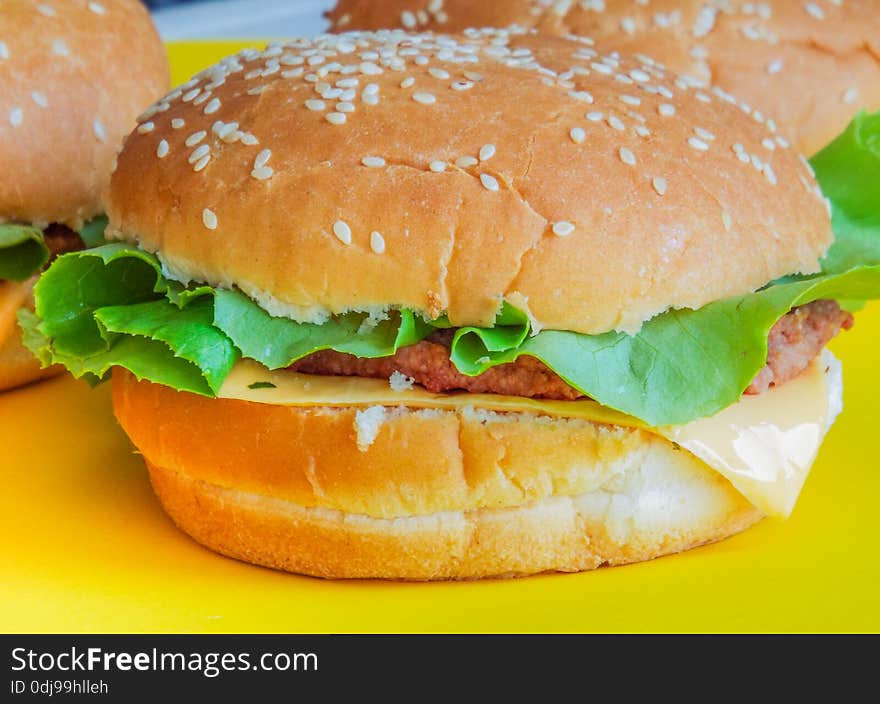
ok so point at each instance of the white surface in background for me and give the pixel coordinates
(244, 19)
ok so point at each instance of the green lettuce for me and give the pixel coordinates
(22, 251)
(113, 306)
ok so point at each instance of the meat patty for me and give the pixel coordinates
(796, 339)
(60, 239)
(793, 343)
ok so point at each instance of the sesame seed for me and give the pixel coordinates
(782, 141)
(45, 10)
(462, 85)
(769, 173)
(212, 106)
(562, 228)
(704, 134)
(768, 143)
(659, 185)
(4, 51)
(262, 173)
(743, 157)
(814, 11)
(99, 131)
(630, 100)
(437, 166)
(473, 76)
(16, 116)
(191, 94)
(342, 231)
(146, 127)
(851, 95)
(335, 118)
(373, 161)
(698, 144)
(370, 69)
(199, 153)
(774, 66)
(424, 98)
(602, 68)
(370, 99)
(248, 139)
(578, 135)
(595, 116)
(262, 158)
(463, 162)
(703, 97)
(616, 123)
(60, 48)
(202, 98)
(726, 220)
(371, 89)
(209, 219)
(440, 73)
(408, 19)
(642, 131)
(40, 99)
(407, 82)
(487, 151)
(628, 25)
(195, 138)
(97, 8)
(626, 156)
(163, 149)
(377, 242)
(639, 75)
(315, 104)
(581, 95)
(489, 182)
(344, 107)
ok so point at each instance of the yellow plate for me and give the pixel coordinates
(85, 546)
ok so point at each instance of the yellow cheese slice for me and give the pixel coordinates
(764, 445)
(13, 295)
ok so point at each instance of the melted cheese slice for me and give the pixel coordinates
(764, 445)
(13, 295)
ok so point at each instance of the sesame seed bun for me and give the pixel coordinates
(811, 66)
(434, 495)
(73, 77)
(590, 190)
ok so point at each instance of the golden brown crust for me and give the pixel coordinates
(434, 495)
(18, 366)
(662, 215)
(810, 72)
(73, 77)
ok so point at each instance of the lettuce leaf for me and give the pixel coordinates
(113, 306)
(22, 251)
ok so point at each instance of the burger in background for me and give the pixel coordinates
(73, 77)
(428, 307)
(810, 66)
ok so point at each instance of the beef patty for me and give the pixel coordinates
(793, 343)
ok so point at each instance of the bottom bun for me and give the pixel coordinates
(18, 365)
(416, 494)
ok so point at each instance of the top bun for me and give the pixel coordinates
(811, 65)
(443, 174)
(73, 77)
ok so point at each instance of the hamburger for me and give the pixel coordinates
(421, 306)
(73, 77)
(811, 66)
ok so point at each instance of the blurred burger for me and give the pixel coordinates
(811, 66)
(426, 307)
(73, 77)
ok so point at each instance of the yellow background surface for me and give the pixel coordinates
(85, 547)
